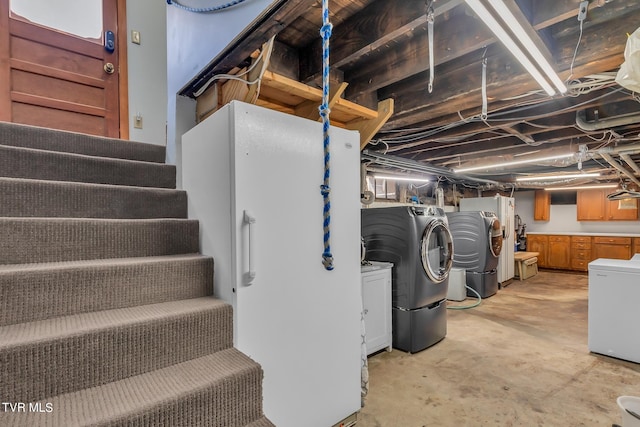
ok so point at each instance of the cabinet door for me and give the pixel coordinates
(541, 205)
(538, 243)
(615, 213)
(636, 245)
(376, 302)
(590, 205)
(612, 247)
(559, 252)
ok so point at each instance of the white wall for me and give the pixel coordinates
(563, 219)
(193, 40)
(147, 64)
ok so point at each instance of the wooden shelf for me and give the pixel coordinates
(281, 93)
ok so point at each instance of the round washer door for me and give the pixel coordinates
(495, 237)
(436, 250)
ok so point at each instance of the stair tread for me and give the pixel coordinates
(65, 154)
(91, 263)
(21, 162)
(262, 422)
(21, 135)
(91, 185)
(78, 324)
(117, 400)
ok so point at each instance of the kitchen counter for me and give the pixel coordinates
(579, 233)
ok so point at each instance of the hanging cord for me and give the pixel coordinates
(430, 19)
(325, 32)
(484, 114)
(575, 52)
(205, 9)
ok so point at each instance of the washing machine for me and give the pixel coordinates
(477, 238)
(417, 240)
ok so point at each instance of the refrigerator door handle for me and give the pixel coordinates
(250, 220)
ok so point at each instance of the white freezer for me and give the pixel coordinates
(298, 320)
(504, 208)
(613, 318)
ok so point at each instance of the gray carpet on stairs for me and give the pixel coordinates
(106, 308)
(30, 292)
(18, 162)
(12, 134)
(37, 198)
(27, 240)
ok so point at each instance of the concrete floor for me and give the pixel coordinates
(519, 359)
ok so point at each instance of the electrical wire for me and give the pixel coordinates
(245, 72)
(575, 52)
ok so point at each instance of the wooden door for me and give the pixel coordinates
(612, 247)
(538, 243)
(629, 212)
(55, 79)
(541, 205)
(590, 205)
(559, 252)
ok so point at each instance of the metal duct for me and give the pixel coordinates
(615, 164)
(582, 123)
(627, 158)
(412, 165)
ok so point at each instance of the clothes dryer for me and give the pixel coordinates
(477, 239)
(417, 240)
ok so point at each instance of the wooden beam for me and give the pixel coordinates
(602, 50)
(376, 27)
(368, 128)
(453, 38)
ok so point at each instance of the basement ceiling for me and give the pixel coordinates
(381, 49)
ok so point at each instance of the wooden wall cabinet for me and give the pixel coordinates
(581, 253)
(559, 252)
(538, 243)
(593, 205)
(541, 205)
(615, 213)
(612, 247)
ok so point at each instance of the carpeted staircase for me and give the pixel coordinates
(106, 309)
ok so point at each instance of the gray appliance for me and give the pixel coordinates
(477, 239)
(416, 239)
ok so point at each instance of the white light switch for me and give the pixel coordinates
(135, 36)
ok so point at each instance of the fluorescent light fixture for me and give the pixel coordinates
(554, 177)
(526, 41)
(508, 42)
(513, 163)
(582, 187)
(402, 178)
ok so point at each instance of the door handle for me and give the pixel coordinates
(109, 68)
(250, 220)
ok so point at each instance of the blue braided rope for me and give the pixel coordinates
(205, 9)
(325, 32)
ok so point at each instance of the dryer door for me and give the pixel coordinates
(495, 236)
(436, 250)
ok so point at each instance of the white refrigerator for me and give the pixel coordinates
(504, 208)
(253, 180)
(613, 319)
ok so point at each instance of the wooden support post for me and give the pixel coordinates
(369, 127)
(309, 109)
